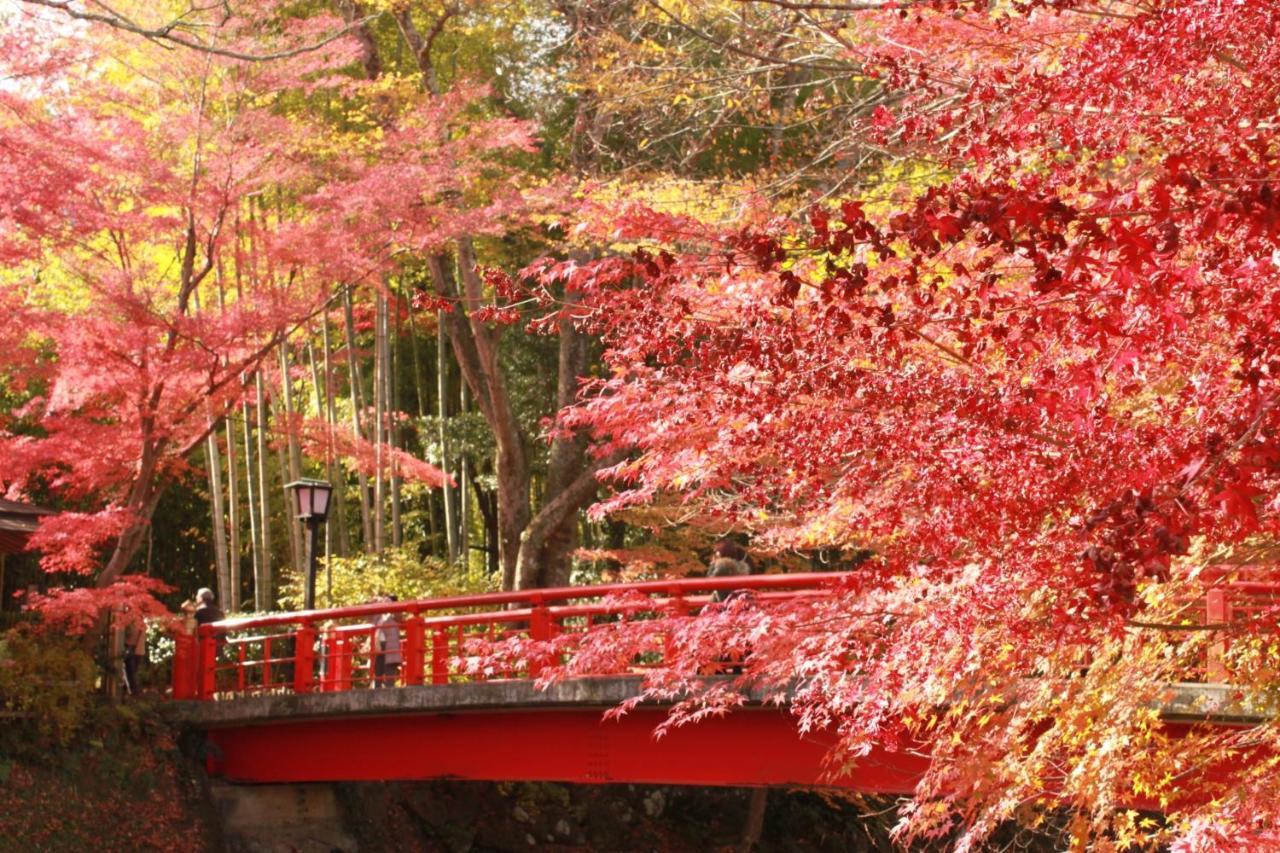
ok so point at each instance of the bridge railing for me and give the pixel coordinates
(333, 650)
(1241, 608)
(346, 648)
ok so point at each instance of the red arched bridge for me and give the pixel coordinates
(295, 697)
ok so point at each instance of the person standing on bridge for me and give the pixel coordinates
(728, 559)
(207, 609)
(387, 657)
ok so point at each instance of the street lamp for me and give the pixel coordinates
(311, 506)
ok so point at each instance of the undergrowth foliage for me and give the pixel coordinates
(47, 687)
(344, 581)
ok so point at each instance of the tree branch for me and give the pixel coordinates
(172, 32)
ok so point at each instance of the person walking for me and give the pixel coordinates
(135, 652)
(387, 656)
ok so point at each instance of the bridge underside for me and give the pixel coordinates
(511, 732)
(748, 747)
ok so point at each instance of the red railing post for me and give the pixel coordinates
(341, 662)
(326, 658)
(540, 630)
(439, 656)
(1217, 611)
(414, 652)
(304, 659)
(186, 663)
(207, 645)
(678, 607)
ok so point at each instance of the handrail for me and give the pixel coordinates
(535, 597)
(327, 652)
(340, 648)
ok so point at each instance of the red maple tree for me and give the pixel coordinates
(193, 219)
(1040, 382)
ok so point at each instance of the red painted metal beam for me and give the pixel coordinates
(749, 747)
(759, 746)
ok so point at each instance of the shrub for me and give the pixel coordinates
(399, 572)
(47, 680)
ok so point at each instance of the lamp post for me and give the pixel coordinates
(311, 506)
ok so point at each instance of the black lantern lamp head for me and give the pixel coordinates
(310, 499)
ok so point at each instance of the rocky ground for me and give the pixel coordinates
(478, 816)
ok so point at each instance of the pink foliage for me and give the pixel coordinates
(1030, 382)
(77, 610)
(72, 542)
(322, 441)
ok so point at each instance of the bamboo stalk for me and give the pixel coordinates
(217, 510)
(379, 423)
(442, 397)
(213, 462)
(249, 497)
(294, 460)
(234, 551)
(336, 475)
(357, 403)
(232, 602)
(393, 406)
(464, 493)
(419, 383)
(263, 592)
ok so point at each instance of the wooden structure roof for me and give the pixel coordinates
(17, 522)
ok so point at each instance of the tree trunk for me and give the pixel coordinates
(548, 540)
(419, 387)
(754, 823)
(464, 491)
(231, 604)
(475, 350)
(141, 505)
(547, 545)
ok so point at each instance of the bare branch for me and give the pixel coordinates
(178, 32)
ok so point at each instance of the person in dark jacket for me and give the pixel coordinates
(728, 559)
(207, 609)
